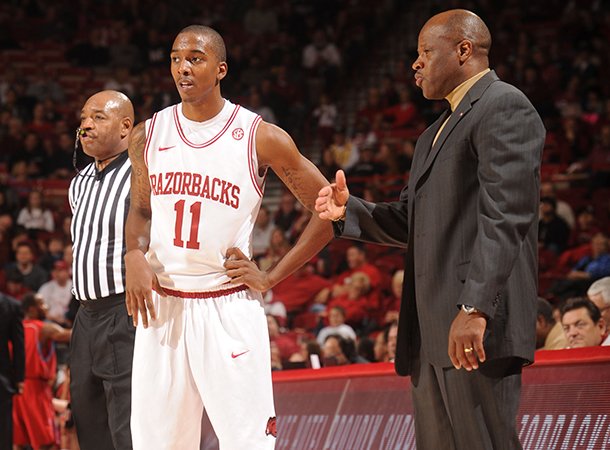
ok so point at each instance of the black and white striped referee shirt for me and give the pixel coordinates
(100, 203)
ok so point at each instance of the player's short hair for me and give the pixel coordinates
(216, 41)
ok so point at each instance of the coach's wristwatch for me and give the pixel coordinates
(341, 218)
(470, 309)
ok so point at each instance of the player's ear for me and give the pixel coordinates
(222, 70)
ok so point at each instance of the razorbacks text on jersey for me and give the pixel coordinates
(205, 182)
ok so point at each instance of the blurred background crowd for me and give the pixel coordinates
(336, 75)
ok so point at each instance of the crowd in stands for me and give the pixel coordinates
(287, 61)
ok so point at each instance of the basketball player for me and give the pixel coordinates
(33, 413)
(197, 184)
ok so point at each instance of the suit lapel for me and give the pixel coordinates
(460, 112)
(424, 144)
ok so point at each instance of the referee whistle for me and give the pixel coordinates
(80, 132)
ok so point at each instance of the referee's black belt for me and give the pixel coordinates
(99, 304)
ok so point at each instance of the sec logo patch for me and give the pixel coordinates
(238, 133)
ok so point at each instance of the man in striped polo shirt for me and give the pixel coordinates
(103, 335)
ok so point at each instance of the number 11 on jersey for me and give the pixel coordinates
(195, 211)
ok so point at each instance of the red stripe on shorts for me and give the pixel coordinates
(206, 294)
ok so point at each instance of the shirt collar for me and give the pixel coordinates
(117, 162)
(455, 97)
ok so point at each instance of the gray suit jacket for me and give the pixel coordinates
(469, 217)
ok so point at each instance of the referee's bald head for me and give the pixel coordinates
(106, 121)
(114, 102)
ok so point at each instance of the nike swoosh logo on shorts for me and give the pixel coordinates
(162, 149)
(235, 355)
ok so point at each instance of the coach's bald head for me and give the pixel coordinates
(453, 46)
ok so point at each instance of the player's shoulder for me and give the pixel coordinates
(164, 115)
(243, 115)
(273, 144)
(271, 135)
(168, 111)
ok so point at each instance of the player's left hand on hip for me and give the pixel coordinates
(242, 270)
(466, 340)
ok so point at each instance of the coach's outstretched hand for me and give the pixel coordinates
(140, 280)
(331, 200)
(242, 270)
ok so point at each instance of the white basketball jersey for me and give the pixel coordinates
(205, 194)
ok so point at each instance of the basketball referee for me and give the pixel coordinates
(103, 335)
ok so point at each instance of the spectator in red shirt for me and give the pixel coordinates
(357, 262)
(404, 114)
(298, 291)
(357, 305)
(286, 345)
(391, 304)
(355, 299)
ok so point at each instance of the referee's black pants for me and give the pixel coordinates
(101, 354)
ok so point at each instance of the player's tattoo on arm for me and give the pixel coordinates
(137, 229)
(140, 187)
(299, 174)
(301, 183)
